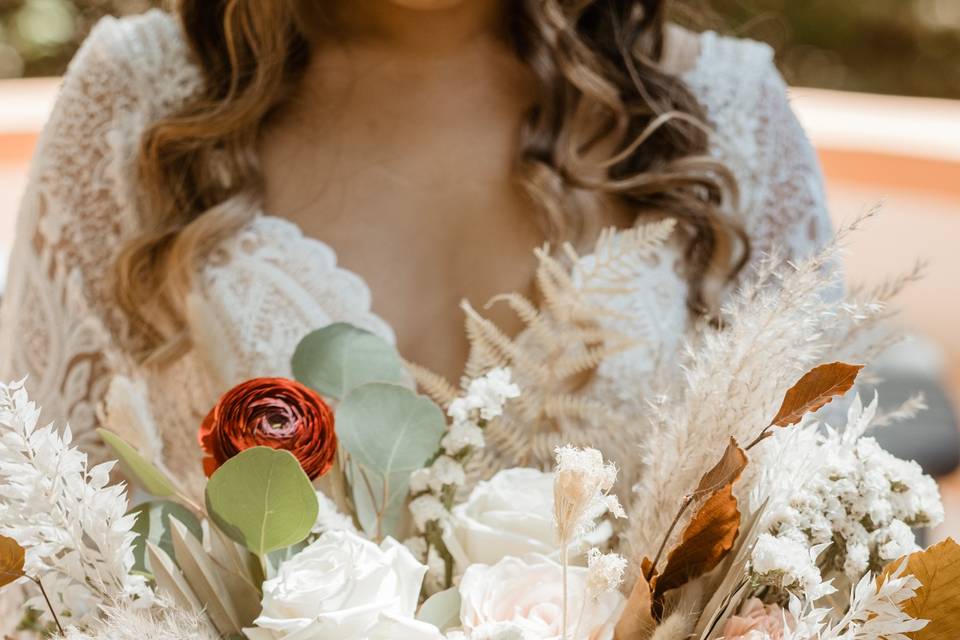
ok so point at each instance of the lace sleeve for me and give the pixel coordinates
(759, 137)
(57, 325)
(787, 207)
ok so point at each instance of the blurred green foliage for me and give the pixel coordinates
(909, 47)
(38, 37)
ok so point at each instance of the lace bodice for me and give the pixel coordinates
(59, 327)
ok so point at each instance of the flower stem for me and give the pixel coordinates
(687, 501)
(563, 568)
(583, 609)
(760, 438)
(49, 605)
(338, 486)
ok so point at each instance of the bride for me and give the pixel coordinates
(213, 185)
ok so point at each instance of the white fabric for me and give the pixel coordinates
(269, 285)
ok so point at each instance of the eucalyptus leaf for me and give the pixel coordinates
(388, 429)
(442, 609)
(149, 477)
(153, 525)
(262, 499)
(341, 357)
(368, 506)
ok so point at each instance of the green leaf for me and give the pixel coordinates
(341, 357)
(153, 525)
(388, 429)
(442, 609)
(149, 477)
(367, 507)
(262, 499)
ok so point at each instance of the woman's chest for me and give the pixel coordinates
(427, 217)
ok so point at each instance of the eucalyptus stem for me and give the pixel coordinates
(337, 485)
(49, 605)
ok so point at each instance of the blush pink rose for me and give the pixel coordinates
(757, 621)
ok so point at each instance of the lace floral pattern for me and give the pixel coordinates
(59, 327)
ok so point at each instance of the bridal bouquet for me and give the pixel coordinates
(341, 504)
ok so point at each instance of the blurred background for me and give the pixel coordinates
(875, 82)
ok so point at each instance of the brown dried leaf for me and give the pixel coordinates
(11, 560)
(814, 390)
(725, 472)
(938, 599)
(636, 622)
(705, 542)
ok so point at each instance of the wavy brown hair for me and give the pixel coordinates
(608, 122)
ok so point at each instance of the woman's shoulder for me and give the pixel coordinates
(759, 137)
(142, 58)
(727, 74)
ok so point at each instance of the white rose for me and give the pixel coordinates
(393, 627)
(526, 597)
(509, 515)
(342, 586)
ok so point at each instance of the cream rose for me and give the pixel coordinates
(343, 586)
(526, 596)
(509, 515)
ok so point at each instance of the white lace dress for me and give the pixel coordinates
(59, 327)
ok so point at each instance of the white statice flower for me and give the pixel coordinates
(483, 399)
(417, 546)
(790, 565)
(463, 435)
(420, 480)
(604, 572)
(485, 396)
(461, 408)
(583, 483)
(329, 518)
(436, 577)
(73, 525)
(853, 495)
(493, 390)
(445, 471)
(425, 509)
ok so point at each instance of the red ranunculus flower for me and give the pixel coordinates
(270, 412)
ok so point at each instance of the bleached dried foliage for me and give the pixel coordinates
(126, 623)
(787, 318)
(72, 523)
(909, 408)
(557, 353)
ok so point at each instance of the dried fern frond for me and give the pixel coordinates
(616, 251)
(564, 340)
(435, 386)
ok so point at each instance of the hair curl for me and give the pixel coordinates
(609, 121)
